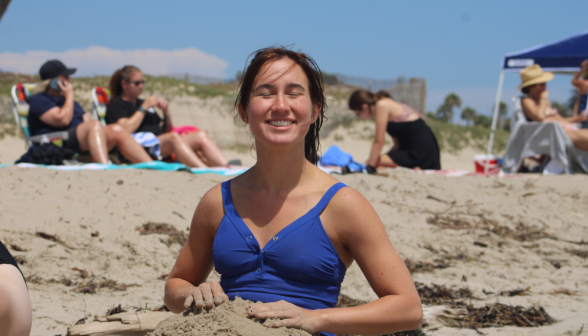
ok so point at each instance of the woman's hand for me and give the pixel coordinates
(162, 105)
(150, 102)
(208, 293)
(66, 88)
(290, 315)
(544, 95)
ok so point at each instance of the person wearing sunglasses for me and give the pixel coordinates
(138, 116)
(54, 109)
(415, 145)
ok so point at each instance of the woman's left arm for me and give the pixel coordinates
(360, 229)
(167, 122)
(378, 143)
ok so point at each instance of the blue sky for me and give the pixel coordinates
(456, 45)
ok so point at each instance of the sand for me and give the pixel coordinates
(229, 318)
(78, 229)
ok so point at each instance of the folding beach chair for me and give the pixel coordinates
(545, 143)
(100, 98)
(21, 94)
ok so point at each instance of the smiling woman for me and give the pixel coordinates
(284, 232)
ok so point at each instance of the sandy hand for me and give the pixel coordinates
(208, 293)
(290, 315)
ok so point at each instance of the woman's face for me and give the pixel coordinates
(134, 85)
(537, 89)
(365, 112)
(280, 109)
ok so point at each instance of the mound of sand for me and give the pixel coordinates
(229, 318)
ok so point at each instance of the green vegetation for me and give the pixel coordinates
(445, 110)
(452, 138)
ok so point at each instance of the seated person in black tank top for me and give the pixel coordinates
(136, 115)
(53, 109)
(15, 305)
(415, 145)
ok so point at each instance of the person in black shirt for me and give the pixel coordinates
(137, 115)
(54, 109)
(415, 145)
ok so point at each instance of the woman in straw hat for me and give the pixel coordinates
(537, 107)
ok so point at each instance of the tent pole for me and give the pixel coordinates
(494, 118)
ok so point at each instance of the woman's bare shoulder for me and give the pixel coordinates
(349, 205)
(210, 209)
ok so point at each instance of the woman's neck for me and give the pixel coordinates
(128, 98)
(281, 170)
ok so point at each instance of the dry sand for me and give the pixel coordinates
(93, 257)
(229, 318)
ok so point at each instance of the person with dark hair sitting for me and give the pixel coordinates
(16, 315)
(415, 145)
(284, 232)
(53, 109)
(137, 115)
(537, 107)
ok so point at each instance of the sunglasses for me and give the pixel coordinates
(137, 83)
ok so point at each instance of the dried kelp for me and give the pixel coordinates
(442, 295)
(175, 236)
(423, 267)
(500, 315)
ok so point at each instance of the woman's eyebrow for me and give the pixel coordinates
(264, 86)
(296, 86)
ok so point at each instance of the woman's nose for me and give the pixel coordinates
(280, 104)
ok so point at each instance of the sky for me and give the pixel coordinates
(456, 45)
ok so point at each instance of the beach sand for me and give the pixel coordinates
(77, 235)
(90, 221)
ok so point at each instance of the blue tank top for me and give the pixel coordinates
(299, 265)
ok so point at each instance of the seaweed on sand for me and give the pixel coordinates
(441, 295)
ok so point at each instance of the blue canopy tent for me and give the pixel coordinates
(563, 56)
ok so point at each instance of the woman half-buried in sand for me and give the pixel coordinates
(537, 107)
(415, 145)
(284, 232)
(15, 305)
(137, 115)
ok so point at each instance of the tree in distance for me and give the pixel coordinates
(445, 111)
(468, 114)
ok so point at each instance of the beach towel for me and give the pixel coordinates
(153, 165)
(150, 142)
(543, 138)
(183, 130)
(334, 156)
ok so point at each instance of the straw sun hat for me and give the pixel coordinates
(533, 74)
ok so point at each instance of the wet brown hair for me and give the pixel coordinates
(315, 86)
(360, 97)
(118, 76)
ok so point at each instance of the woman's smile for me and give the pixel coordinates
(281, 123)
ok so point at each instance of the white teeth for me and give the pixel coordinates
(281, 123)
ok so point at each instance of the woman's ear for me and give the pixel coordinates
(243, 114)
(316, 110)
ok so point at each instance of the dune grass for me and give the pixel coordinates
(453, 138)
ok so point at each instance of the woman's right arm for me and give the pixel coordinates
(533, 111)
(378, 143)
(186, 285)
(61, 117)
(132, 124)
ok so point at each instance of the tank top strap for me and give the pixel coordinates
(322, 204)
(227, 197)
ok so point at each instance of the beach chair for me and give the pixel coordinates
(534, 139)
(21, 94)
(100, 98)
